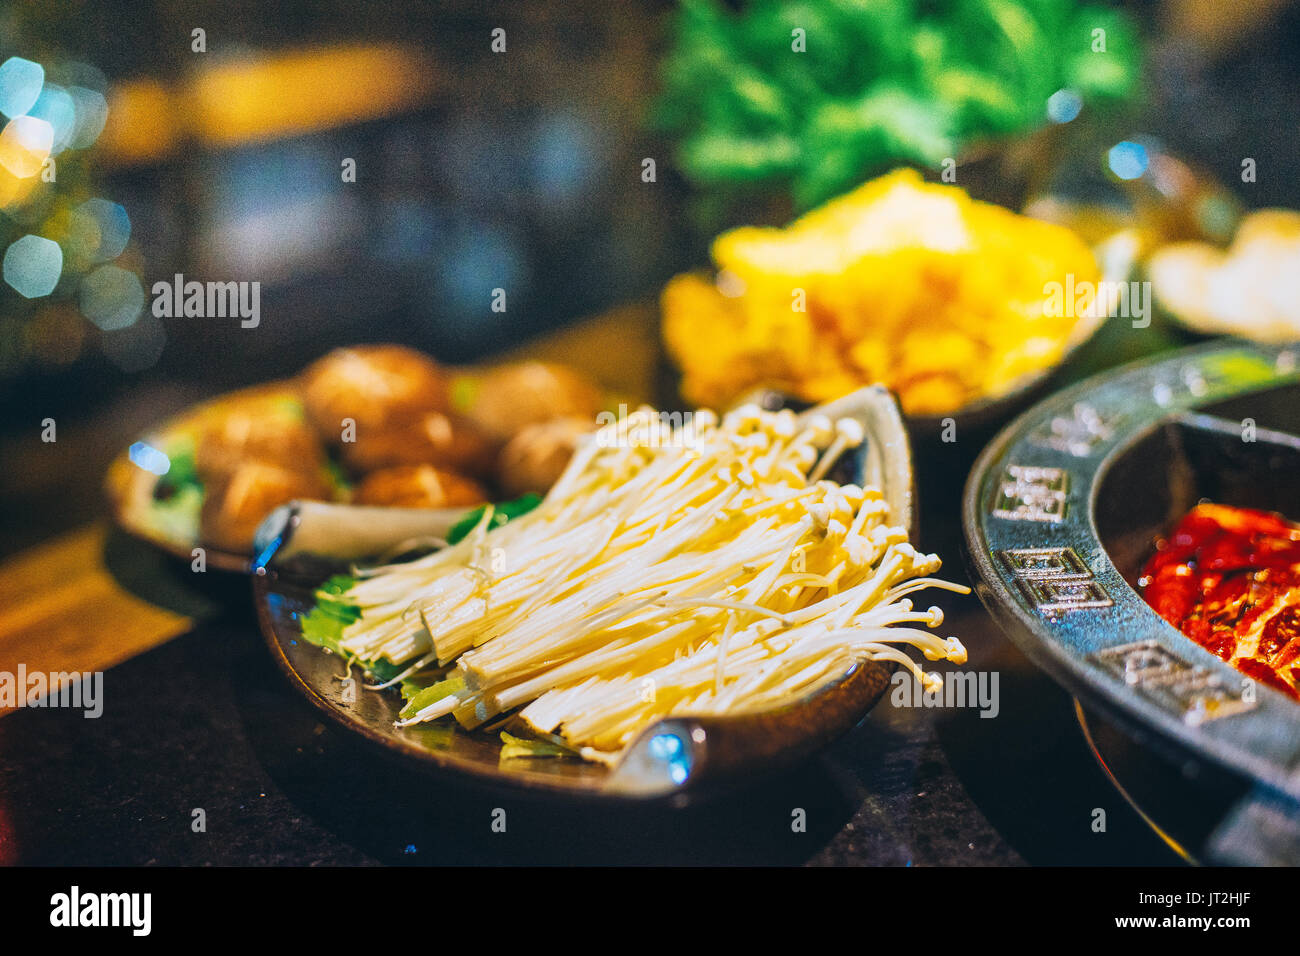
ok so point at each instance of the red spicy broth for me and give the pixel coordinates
(1229, 579)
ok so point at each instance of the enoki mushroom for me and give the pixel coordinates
(698, 570)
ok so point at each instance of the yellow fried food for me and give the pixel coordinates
(916, 285)
(1250, 289)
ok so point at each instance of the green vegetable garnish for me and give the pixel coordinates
(337, 584)
(182, 474)
(432, 694)
(500, 515)
(324, 624)
(809, 99)
(336, 476)
(177, 494)
(512, 746)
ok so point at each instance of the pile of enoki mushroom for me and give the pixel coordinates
(711, 570)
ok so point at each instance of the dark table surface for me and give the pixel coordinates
(207, 722)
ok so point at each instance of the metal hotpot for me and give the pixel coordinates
(1060, 513)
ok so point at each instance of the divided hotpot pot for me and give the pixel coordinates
(1062, 509)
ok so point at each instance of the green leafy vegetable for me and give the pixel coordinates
(812, 98)
(323, 625)
(500, 515)
(431, 695)
(177, 494)
(512, 746)
(336, 585)
(181, 475)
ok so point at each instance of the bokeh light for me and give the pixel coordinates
(25, 144)
(57, 108)
(13, 190)
(480, 258)
(1063, 106)
(92, 114)
(68, 233)
(409, 230)
(98, 230)
(1127, 160)
(561, 156)
(143, 455)
(112, 298)
(136, 347)
(32, 266)
(20, 85)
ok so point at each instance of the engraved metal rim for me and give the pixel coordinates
(1109, 619)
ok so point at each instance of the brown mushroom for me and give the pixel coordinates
(511, 397)
(446, 441)
(536, 457)
(377, 387)
(234, 503)
(256, 433)
(418, 486)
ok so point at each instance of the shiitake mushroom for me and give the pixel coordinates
(418, 486)
(511, 397)
(536, 457)
(446, 441)
(256, 432)
(407, 447)
(236, 501)
(377, 387)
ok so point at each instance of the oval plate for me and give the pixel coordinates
(677, 758)
(130, 488)
(1064, 506)
(713, 751)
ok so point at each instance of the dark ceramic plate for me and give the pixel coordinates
(1063, 508)
(675, 758)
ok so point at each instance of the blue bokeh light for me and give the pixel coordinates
(92, 114)
(665, 746)
(476, 259)
(1127, 160)
(20, 85)
(98, 230)
(1063, 106)
(32, 266)
(670, 749)
(57, 107)
(143, 455)
(112, 298)
(560, 155)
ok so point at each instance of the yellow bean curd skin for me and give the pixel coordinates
(915, 285)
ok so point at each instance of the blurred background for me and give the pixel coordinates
(224, 155)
